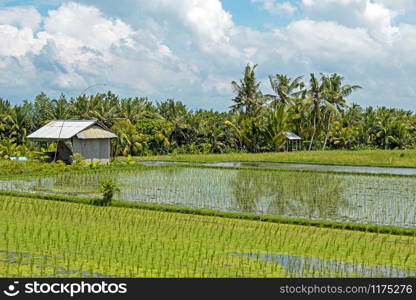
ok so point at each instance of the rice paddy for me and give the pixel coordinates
(364, 199)
(58, 239)
(54, 239)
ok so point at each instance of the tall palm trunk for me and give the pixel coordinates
(327, 131)
(315, 123)
(314, 132)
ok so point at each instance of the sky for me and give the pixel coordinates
(191, 50)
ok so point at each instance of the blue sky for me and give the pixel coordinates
(191, 50)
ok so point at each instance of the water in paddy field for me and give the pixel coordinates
(302, 266)
(301, 166)
(44, 266)
(340, 197)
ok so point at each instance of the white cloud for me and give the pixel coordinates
(331, 41)
(206, 24)
(78, 46)
(87, 25)
(375, 17)
(398, 5)
(18, 42)
(191, 49)
(405, 48)
(276, 7)
(83, 37)
(20, 17)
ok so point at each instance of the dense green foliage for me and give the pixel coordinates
(57, 239)
(315, 109)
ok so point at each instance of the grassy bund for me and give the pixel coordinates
(379, 158)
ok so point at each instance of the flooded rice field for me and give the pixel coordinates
(352, 198)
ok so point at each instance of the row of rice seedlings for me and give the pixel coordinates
(369, 199)
(320, 196)
(364, 199)
(64, 239)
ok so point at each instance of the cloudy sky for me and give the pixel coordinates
(191, 50)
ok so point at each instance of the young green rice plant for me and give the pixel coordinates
(64, 239)
(380, 200)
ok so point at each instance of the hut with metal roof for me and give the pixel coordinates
(89, 138)
(292, 141)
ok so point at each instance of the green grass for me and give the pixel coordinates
(49, 238)
(384, 158)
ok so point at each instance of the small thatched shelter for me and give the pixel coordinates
(293, 142)
(89, 138)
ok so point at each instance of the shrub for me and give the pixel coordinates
(108, 188)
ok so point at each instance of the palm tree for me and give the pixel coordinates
(134, 109)
(235, 132)
(317, 103)
(278, 124)
(81, 108)
(176, 113)
(249, 99)
(216, 140)
(42, 108)
(105, 110)
(335, 93)
(18, 123)
(5, 117)
(286, 88)
(59, 109)
(129, 141)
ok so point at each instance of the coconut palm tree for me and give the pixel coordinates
(18, 123)
(5, 110)
(334, 93)
(104, 108)
(278, 123)
(176, 113)
(249, 99)
(81, 107)
(59, 109)
(134, 109)
(286, 88)
(317, 103)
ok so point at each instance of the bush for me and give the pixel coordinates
(108, 188)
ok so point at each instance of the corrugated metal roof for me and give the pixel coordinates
(63, 129)
(96, 132)
(292, 136)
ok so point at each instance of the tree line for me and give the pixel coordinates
(313, 107)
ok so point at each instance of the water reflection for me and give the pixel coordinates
(319, 196)
(298, 166)
(302, 266)
(351, 198)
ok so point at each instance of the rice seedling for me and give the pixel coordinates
(349, 198)
(57, 239)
